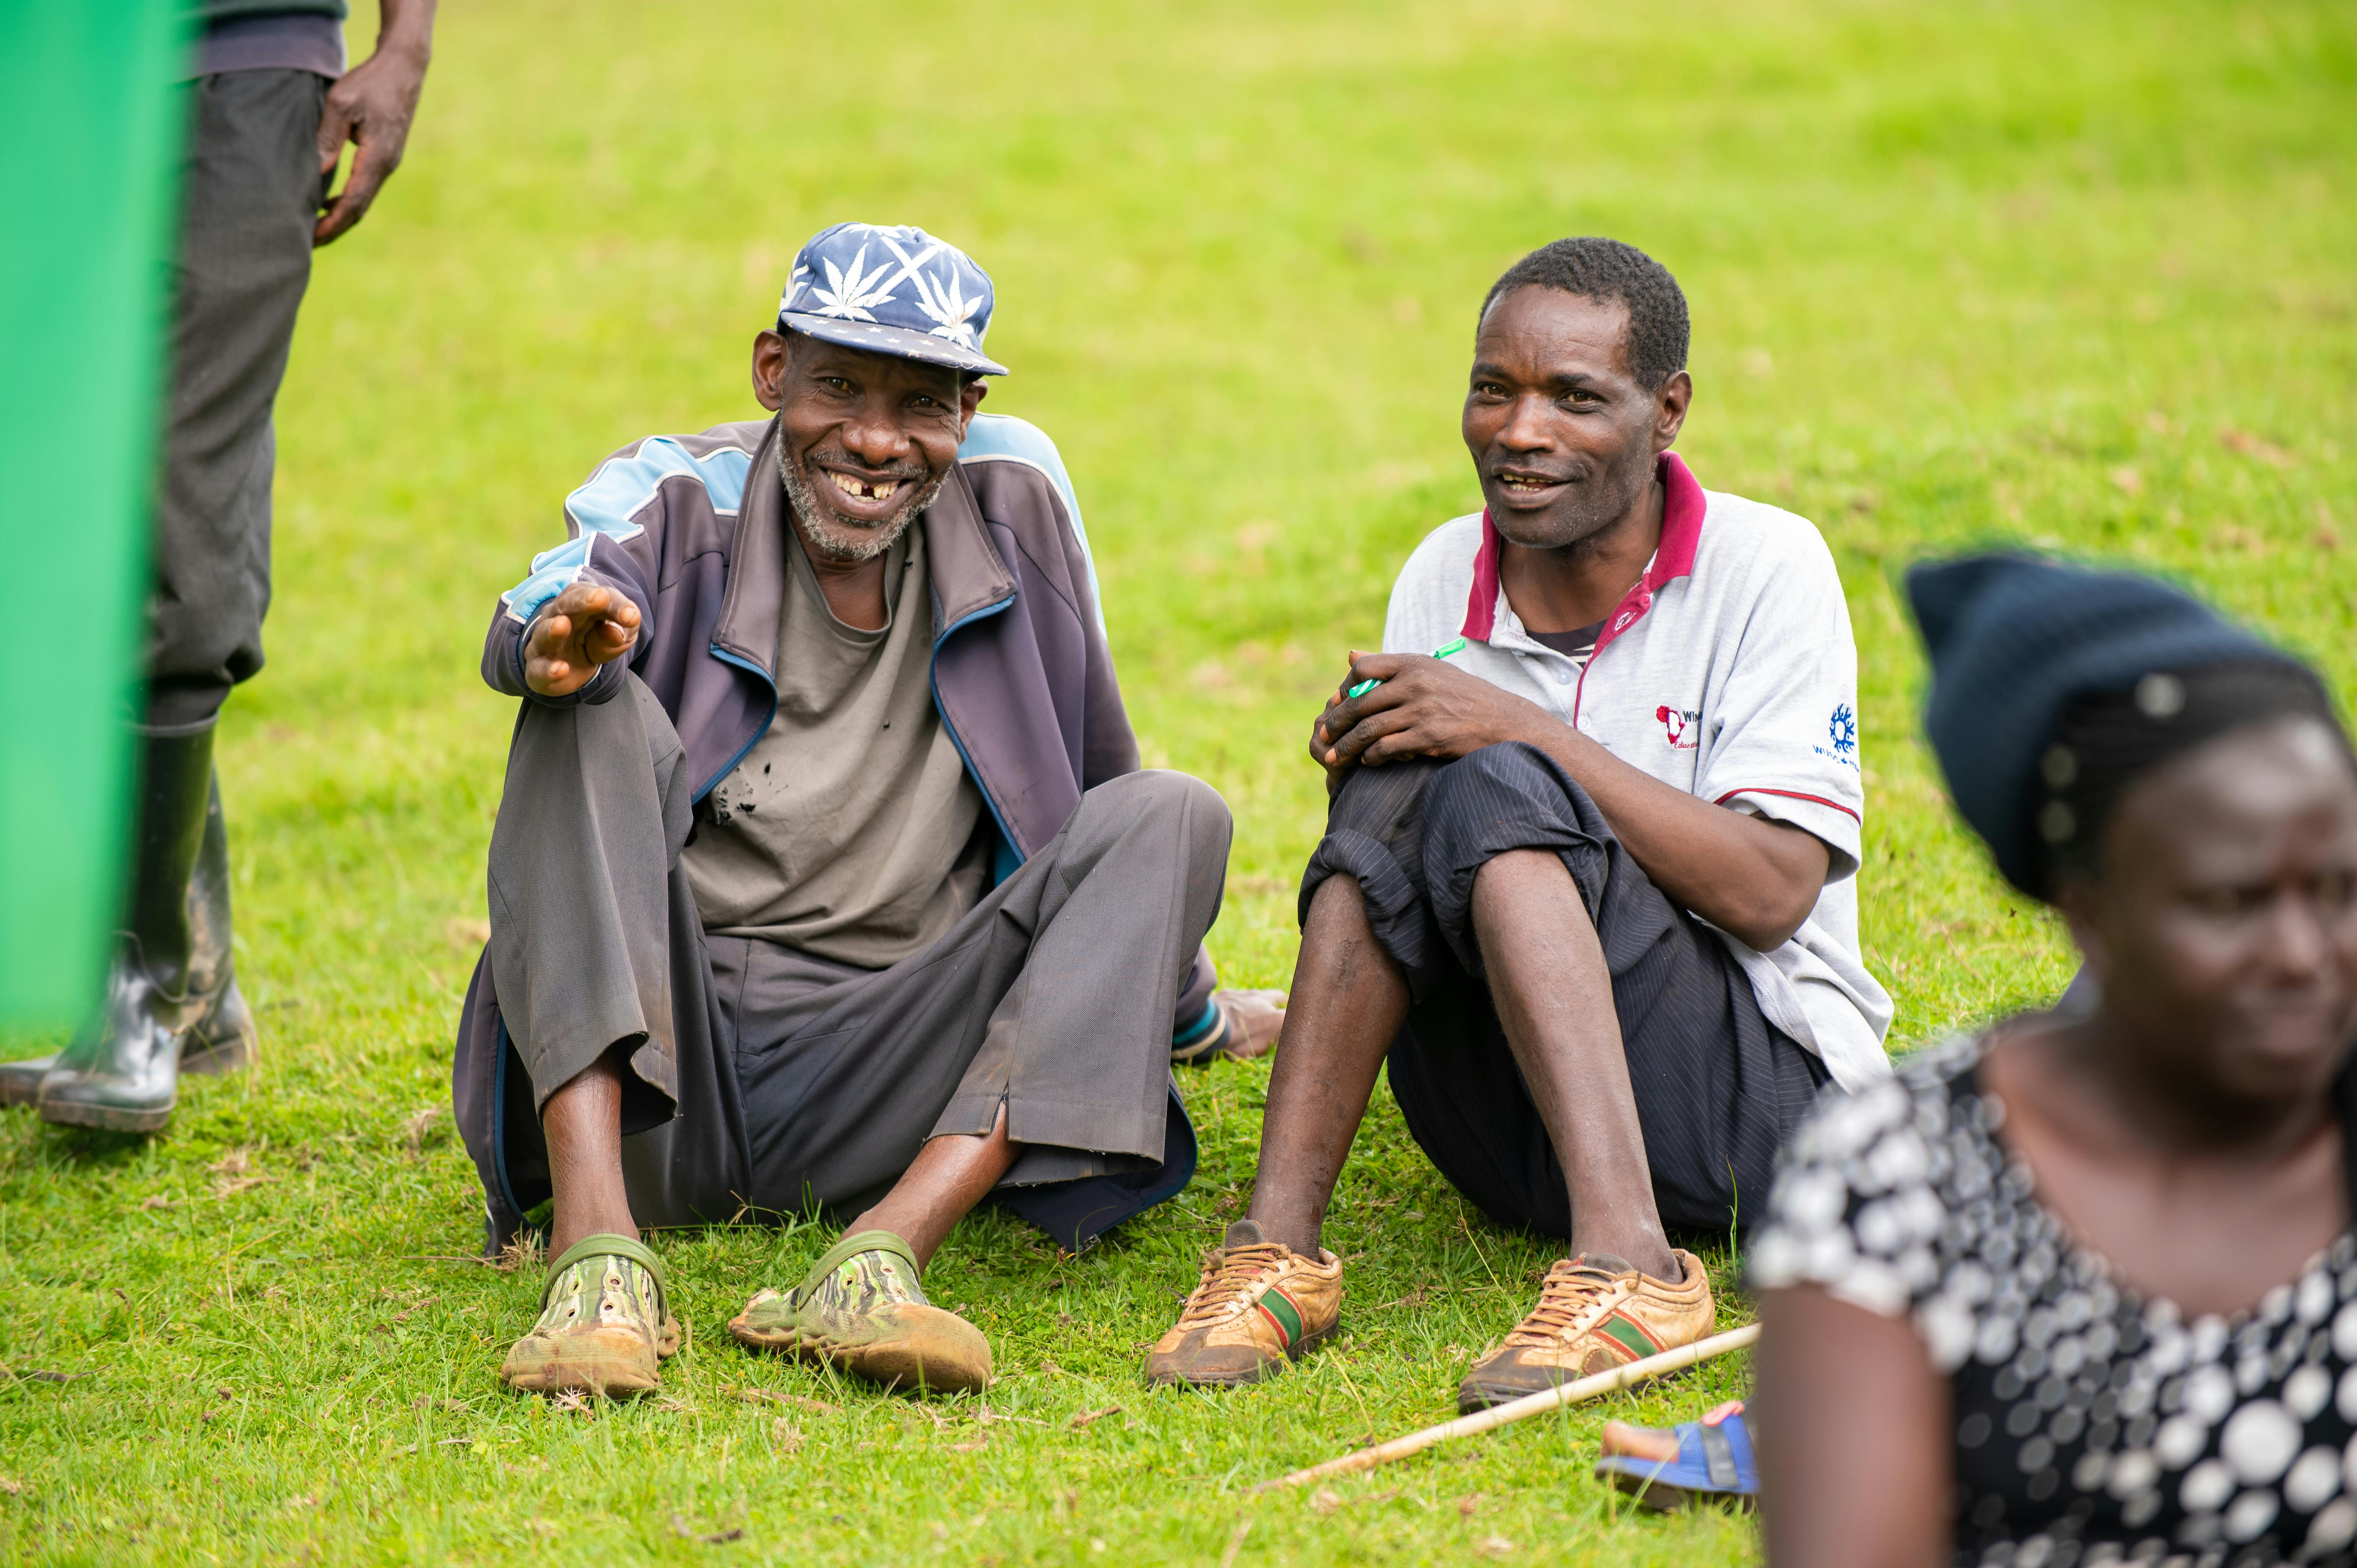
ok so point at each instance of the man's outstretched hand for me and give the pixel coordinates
(582, 627)
(1424, 708)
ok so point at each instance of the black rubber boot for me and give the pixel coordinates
(20, 1082)
(221, 1037)
(171, 982)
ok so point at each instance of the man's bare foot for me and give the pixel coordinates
(1255, 1020)
(1710, 1460)
(1651, 1443)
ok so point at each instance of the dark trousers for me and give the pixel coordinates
(765, 1080)
(1717, 1086)
(249, 195)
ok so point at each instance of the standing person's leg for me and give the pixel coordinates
(601, 987)
(249, 202)
(1030, 1046)
(250, 197)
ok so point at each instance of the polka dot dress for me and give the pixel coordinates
(2092, 1425)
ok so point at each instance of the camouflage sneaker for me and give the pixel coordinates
(1258, 1305)
(605, 1323)
(860, 1308)
(1596, 1313)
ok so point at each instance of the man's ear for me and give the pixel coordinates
(970, 398)
(771, 350)
(1670, 406)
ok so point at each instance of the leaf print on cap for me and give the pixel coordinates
(850, 295)
(948, 306)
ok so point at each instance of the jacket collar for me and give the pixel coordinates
(748, 628)
(1682, 507)
(968, 574)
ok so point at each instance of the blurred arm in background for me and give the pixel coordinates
(1853, 1421)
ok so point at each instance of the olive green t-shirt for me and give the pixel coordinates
(848, 830)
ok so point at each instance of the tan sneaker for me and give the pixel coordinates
(1595, 1313)
(1259, 1305)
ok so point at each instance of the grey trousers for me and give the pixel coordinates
(249, 195)
(767, 1082)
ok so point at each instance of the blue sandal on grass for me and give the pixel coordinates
(1708, 1460)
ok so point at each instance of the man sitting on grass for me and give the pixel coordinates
(1585, 873)
(825, 875)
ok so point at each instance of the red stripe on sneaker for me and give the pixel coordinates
(1275, 1322)
(1630, 1334)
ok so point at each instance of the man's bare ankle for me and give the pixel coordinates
(1301, 1235)
(923, 1238)
(563, 1234)
(1650, 1256)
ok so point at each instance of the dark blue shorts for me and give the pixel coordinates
(1717, 1086)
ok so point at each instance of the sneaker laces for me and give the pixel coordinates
(1570, 1301)
(1230, 1274)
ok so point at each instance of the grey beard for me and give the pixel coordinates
(849, 543)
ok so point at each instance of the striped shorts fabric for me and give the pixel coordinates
(1717, 1086)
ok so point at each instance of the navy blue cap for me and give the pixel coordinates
(2015, 640)
(894, 290)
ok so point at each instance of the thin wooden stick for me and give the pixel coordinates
(1522, 1409)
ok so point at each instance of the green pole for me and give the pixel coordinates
(89, 143)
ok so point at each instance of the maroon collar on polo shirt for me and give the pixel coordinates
(1682, 507)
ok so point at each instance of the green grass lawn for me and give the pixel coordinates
(2079, 274)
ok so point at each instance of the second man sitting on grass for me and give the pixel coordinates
(825, 875)
(1584, 881)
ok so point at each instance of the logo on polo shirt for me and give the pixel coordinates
(1843, 729)
(1683, 726)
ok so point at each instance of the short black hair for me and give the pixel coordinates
(1605, 269)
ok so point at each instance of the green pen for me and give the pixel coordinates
(1454, 645)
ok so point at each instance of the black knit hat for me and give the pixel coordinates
(2015, 641)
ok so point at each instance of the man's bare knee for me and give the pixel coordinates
(1519, 873)
(1338, 899)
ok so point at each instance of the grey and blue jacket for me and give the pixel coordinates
(692, 529)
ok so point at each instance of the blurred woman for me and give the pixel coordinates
(2082, 1288)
